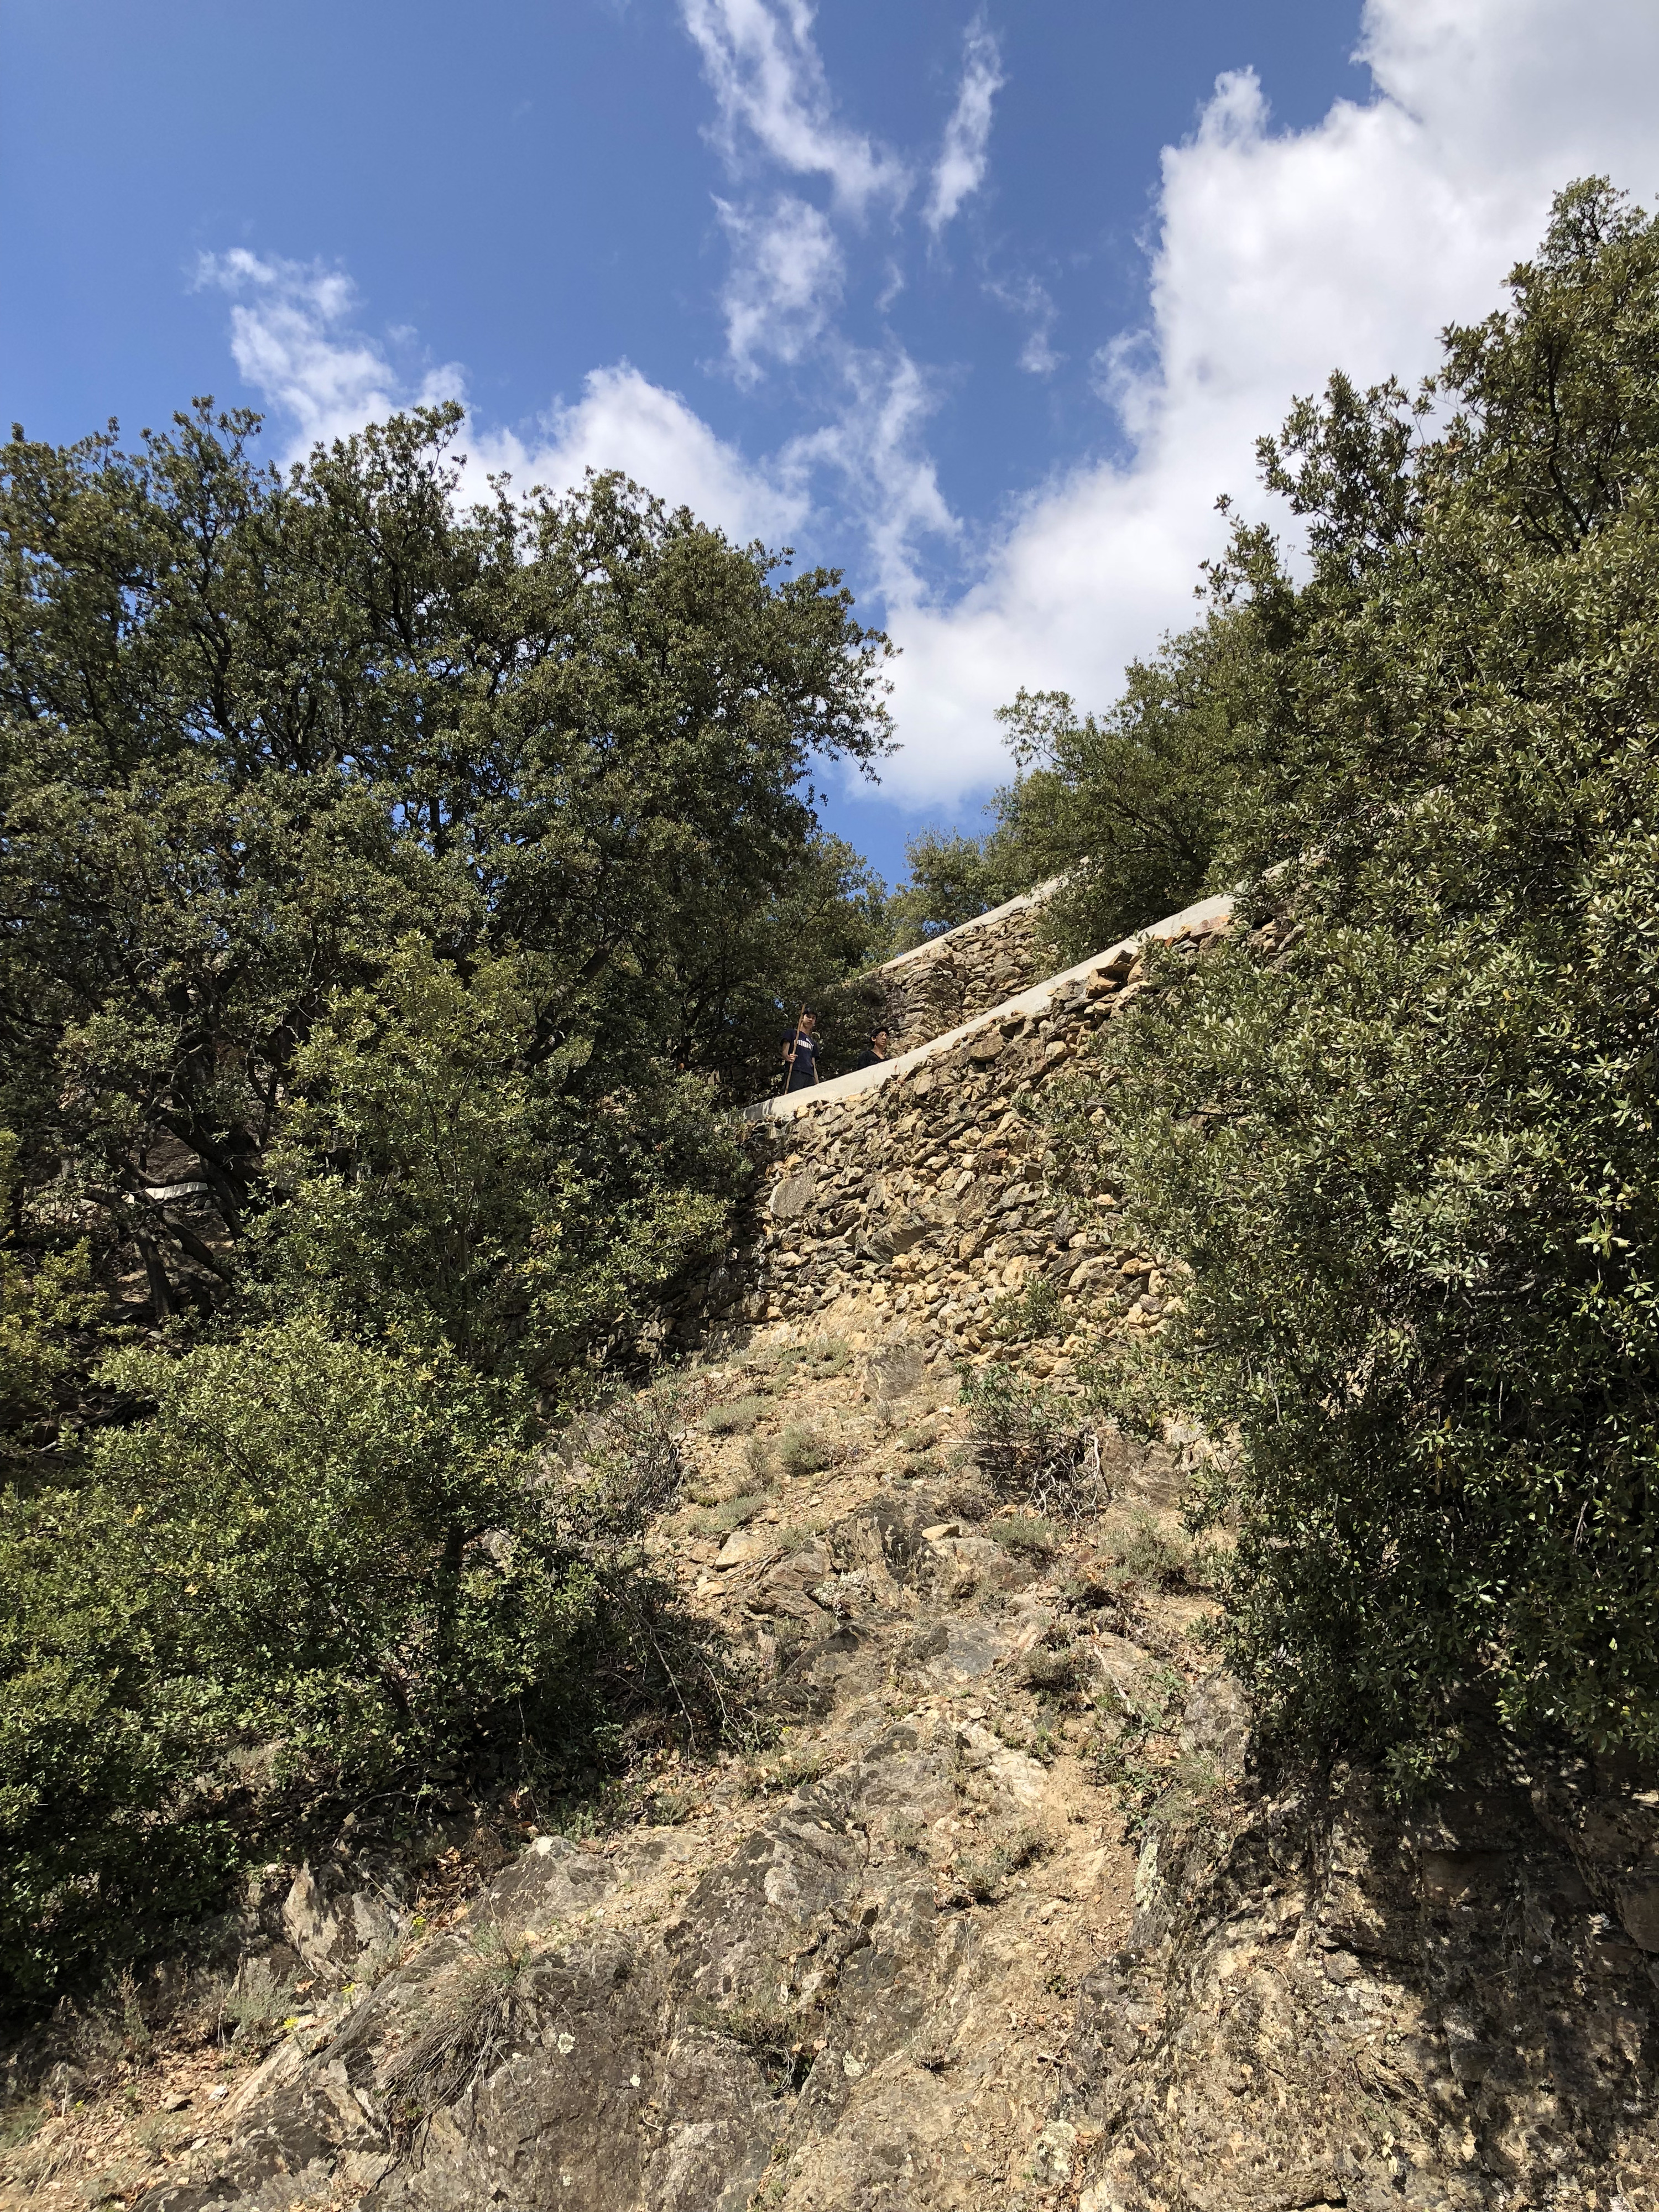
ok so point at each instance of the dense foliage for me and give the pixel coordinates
(1410, 1157)
(394, 894)
(1124, 811)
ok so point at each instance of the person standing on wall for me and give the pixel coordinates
(800, 1052)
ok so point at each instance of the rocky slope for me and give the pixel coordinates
(992, 1913)
(984, 1902)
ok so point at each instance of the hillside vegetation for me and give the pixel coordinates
(397, 895)
(1410, 1161)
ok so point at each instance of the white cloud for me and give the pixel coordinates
(769, 82)
(623, 420)
(1025, 297)
(889, 485)
(291, 339)
(960, 169)
(1278, 256)
(786, 280)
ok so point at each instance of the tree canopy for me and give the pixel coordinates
(396, 893)
(1409, 1158)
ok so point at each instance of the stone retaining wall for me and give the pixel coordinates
(898, 1205)
(963, 973)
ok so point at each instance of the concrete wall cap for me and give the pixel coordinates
(840, 1088)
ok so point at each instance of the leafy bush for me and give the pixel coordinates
(1032, 1311)
(736, 1418)
(735, 1512)
(1406, 1137)
(1025, 1532)
(800, 1451)
(759, 1459)
(1027, 1443)
(1144, 1552)
(311, 1545)
(984, 1874)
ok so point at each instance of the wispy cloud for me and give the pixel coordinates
(1025, 297)
(785, 282)
(770, 87)
(874, 443)
(291, 336)
(960, 170)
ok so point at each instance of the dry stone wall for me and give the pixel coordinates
(965, 972)
(899, 1206)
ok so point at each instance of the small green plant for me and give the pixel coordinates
(1054, 1673)
(909, 1835)
(1125, 1753)
(760, 1460)
(917, 1441)
(829, 1356)
(133, 2026)
(1033, 1311)
(801, 1451)
(970, 1501)
(1028, 1445)
(736, 1418)
(734, 1513)
(467, 2030)
(984, 1874)
(257, 2000)
(20, 2123)
(1155, 1558)
(799, 1534)
(788, 1769)
(1028, 1532)
(792, 1636)
(776, 2036)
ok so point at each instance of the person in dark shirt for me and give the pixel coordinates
(800, 1052)
(881, 1047)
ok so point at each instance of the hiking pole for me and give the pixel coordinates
(794, 1046)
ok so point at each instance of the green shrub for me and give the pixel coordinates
(1025, 1532)
(800, 1451)
(735, 1512)
(984, 1873)
(1145, 1554)
(1027, 1443)
(1033, 1310)
(1052, 1671)
(309, 1544)
(1404, 1138)
(736, 1418)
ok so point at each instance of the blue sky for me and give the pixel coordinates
(983, 305)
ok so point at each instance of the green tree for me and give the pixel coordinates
(255, 734)
(330, 1564)
(953, 878)
(397, 894)
(443, 1187)
(1130, 808)
(1410, 1156)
